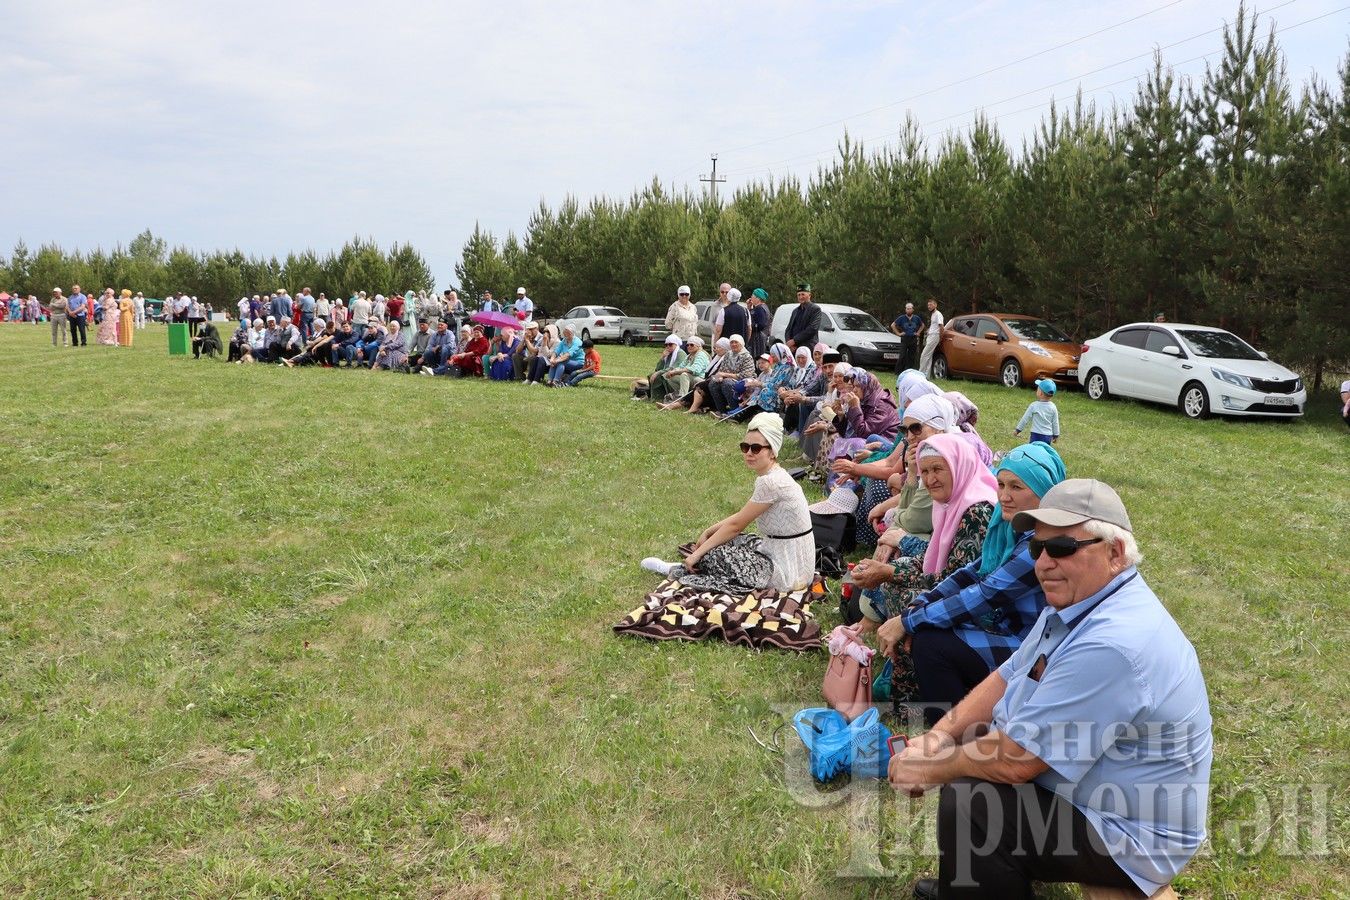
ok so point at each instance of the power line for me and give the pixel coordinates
(960, 81)
(819, 154)
(942, 87)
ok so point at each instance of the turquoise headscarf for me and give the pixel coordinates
(1040, 468)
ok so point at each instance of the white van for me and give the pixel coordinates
(855, 335)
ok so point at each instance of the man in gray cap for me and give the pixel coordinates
(1086, 756)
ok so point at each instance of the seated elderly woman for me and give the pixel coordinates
(501, 355)
(781, 557)
(964, 493)
(393, 351)
(671, 361)
(863, 410)
(929, 415)
(963, 628)
(807, 378)
(537, 355)
(697, 396)
(761, 394)
(568, 357)
(673, 383)
(468, 362)
(738, 366)
(239, 342)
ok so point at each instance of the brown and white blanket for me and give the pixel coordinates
(759, 619)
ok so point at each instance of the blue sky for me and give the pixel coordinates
(284, 125)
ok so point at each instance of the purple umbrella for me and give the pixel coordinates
(496, 319)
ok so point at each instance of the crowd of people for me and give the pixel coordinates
(1004, 594)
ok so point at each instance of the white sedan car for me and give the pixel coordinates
(1199, 369)
(598, 323)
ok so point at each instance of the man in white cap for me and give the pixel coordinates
(1086, 756)
(524, 305)
(57, 309)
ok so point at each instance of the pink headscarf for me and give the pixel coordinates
(972, 483)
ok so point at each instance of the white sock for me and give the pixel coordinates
(659, 566)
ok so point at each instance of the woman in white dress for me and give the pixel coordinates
(782, 556)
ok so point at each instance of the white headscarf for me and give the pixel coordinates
(769, 425)
(935, 411)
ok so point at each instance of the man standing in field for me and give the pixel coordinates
(524, 305)
(57, 309)
(930, 343)
(907, 328)
(77, 308)
(306, 311)
(803, 328)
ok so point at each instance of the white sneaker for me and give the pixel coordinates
(659, 566)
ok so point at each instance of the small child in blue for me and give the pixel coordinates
(1042, 415)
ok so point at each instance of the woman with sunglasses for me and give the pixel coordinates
(782, 556)
(970, 622)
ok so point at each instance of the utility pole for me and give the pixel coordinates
(712, 180)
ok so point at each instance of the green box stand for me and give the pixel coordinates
(179, 343)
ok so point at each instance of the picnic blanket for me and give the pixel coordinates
(759, 619)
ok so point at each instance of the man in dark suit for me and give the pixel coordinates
(803, 327)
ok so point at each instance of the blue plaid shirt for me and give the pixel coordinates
(996, 611)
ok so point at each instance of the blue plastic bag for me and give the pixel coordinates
(838, 746)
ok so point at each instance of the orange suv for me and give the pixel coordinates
(1014, 350)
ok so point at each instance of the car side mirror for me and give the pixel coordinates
(1173, 350)
(1264, 355)
(826, 326)
(992, 336)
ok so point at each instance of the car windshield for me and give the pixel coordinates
(1217, 344)
(852, 321)
(1037, 330)
(609, 311)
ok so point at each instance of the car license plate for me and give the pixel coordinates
(890, 356)
(1279, 401)
(1072, 373)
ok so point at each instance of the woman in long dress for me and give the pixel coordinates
(107, 326)
(782, 556)
(126, 318)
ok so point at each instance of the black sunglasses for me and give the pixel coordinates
(1059, 547)
(915, 428)
(753, 448)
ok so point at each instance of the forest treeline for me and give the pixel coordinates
(1221, 200)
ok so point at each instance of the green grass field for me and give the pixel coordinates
(315, 632)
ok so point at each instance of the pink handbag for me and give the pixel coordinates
(848, 683)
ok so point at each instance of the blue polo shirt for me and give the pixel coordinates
(1121, 717)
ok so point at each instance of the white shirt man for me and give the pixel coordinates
(243, 309)
(932, 338)
(524, 304)
(360, 311)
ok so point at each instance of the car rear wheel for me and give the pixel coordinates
(629, 339)
(940, 370)
(1096, 385)
(1011, 374)
(845, 354)
(585, 334)
(1194, 402)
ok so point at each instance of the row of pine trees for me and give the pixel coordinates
(220, 278)
(1222, 201)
